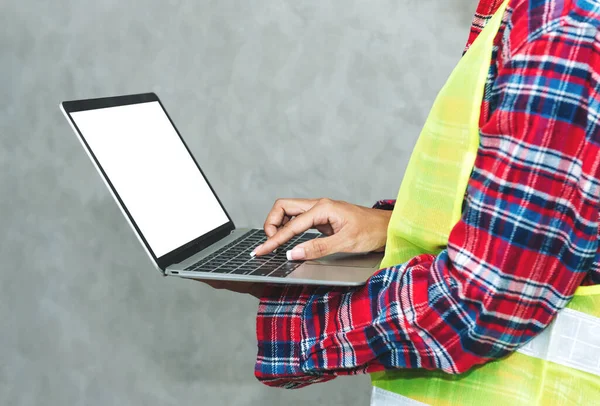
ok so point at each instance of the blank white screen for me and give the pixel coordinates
(152, 172)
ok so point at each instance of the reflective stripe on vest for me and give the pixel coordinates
(561, 365)
(572, 340)
(382, 397)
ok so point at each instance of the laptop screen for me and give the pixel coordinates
(153, 173)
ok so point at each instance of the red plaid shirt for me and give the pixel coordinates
(527, 238)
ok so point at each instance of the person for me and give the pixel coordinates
(480, 306)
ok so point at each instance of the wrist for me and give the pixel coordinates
(383, 220)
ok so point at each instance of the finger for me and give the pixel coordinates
(325, 229)
(283, 208)
(317, 248)
(295, 226)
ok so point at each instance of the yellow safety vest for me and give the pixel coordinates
(561, 366)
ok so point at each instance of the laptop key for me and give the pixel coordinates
(242, 271)
(262, 271)
(280, 273)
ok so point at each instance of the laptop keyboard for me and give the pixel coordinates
(234, 258)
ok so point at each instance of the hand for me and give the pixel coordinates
(350, 228)
(251, 288)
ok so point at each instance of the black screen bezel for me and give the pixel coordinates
(185, 251)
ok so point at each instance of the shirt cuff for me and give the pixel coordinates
(385, 204)
(278, 333)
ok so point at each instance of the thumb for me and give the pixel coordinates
(317, 248)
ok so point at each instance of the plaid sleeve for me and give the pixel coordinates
(385, 204)
(527, 237)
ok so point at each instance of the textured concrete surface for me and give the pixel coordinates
(275, 98)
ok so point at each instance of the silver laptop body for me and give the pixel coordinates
(144, 162)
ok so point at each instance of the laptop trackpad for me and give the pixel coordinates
(368, 260)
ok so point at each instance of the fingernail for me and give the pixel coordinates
(295, 254)
(253, 253)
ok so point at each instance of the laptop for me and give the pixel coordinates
(172, 208)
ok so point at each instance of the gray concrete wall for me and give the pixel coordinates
(276, 98)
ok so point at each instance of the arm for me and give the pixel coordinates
(526, 239)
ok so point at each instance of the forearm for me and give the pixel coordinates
(419, 315)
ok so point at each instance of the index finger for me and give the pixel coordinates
(297, 225)
(285, 207)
